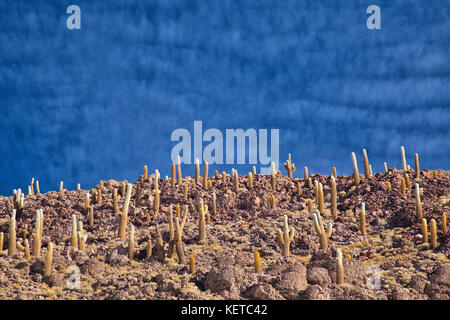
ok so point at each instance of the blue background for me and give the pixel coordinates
(100, 102)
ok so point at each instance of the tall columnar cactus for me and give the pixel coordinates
(38, 190)
(197, 171)
(419, 210)
(171, 233)
(1, 242)
(131, 245)
(402, 151)
(37, 240)
(388, 186)
(366, 164)
(289, 166)
(250, 180)
(362, 219)
(205, 175)
(305, 170)
(27, 249)
(156, 202)
(179, 242)
(321, 198)
(444, 224)
(173, 175)
(385, 168)
(179, 175)
(124, 215)
(145, 172)
(310, 184)
(310, 205)
(148, 249)
(192, 268)
(257, 263)
(273, 177)
(339, 268)
(236, 181)
(214, 203)
(201, 224)
(87, 202)
(403, 185)
(334, 211)
(159, 247)
(61, 187)
(285, 237)
(12, 234)
(416, 160)
(116, 202)
(334, 172)
(424, 230)
(74, 236)
(407, 181)
(433, 232)
(356, 176)
(299, 189)
(323, 235)
(48, 260)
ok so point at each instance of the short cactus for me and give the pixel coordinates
(48, 260)
(257, 262)
(289, 166)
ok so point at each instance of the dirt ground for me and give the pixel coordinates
(390, 262)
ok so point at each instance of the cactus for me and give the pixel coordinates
(183, 221)
(289, 166)
(124, 215)
(91, 216)
(236, 181)
(388, 185)
(201, 224)
(402, 151)
(205, 175)
(407, 181)
(87, 202)
(403, 186)
(310, 185)
(366, 164)
(159, 247)
(334, 211)
(173, 180)
(38, 190)
(131, 243)
(433, 232)
(250, 180)
(285, 237)
(339, 268)
(321, 198)
(299, 189)
(171, 233)
(192, 268)
(419, 210)
(1, 242)
(416, 160)
(272, 201)
(145, 172)
(78, 187)
(27, 249)
(385, 168)
(48, 260)
(273, 177)
(197, 171)
(310, 205)
(257, 262)
(356, 176)
(12, 235)
(99, 197)
(179, 174)
(424, 231)
(137, 195)
(305, 170)
(156, 203)
(444, 224)
(362, 219)
(179, 242)
(224, 177)
(214, 203)
(74, 237)
(334, 172)
(61, 187)
(148, 249)
(323, 235)
(37, 240)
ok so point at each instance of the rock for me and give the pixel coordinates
(418, 283)
(37, 267)
(442, 276)
(316, 292)
(115, 258)
(264, 292)
(292, 282)
(318, 275)
(222, 279)
(93, 266)
(54, 280)
(400, 293)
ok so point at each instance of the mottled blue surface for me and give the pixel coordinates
(101, 102)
